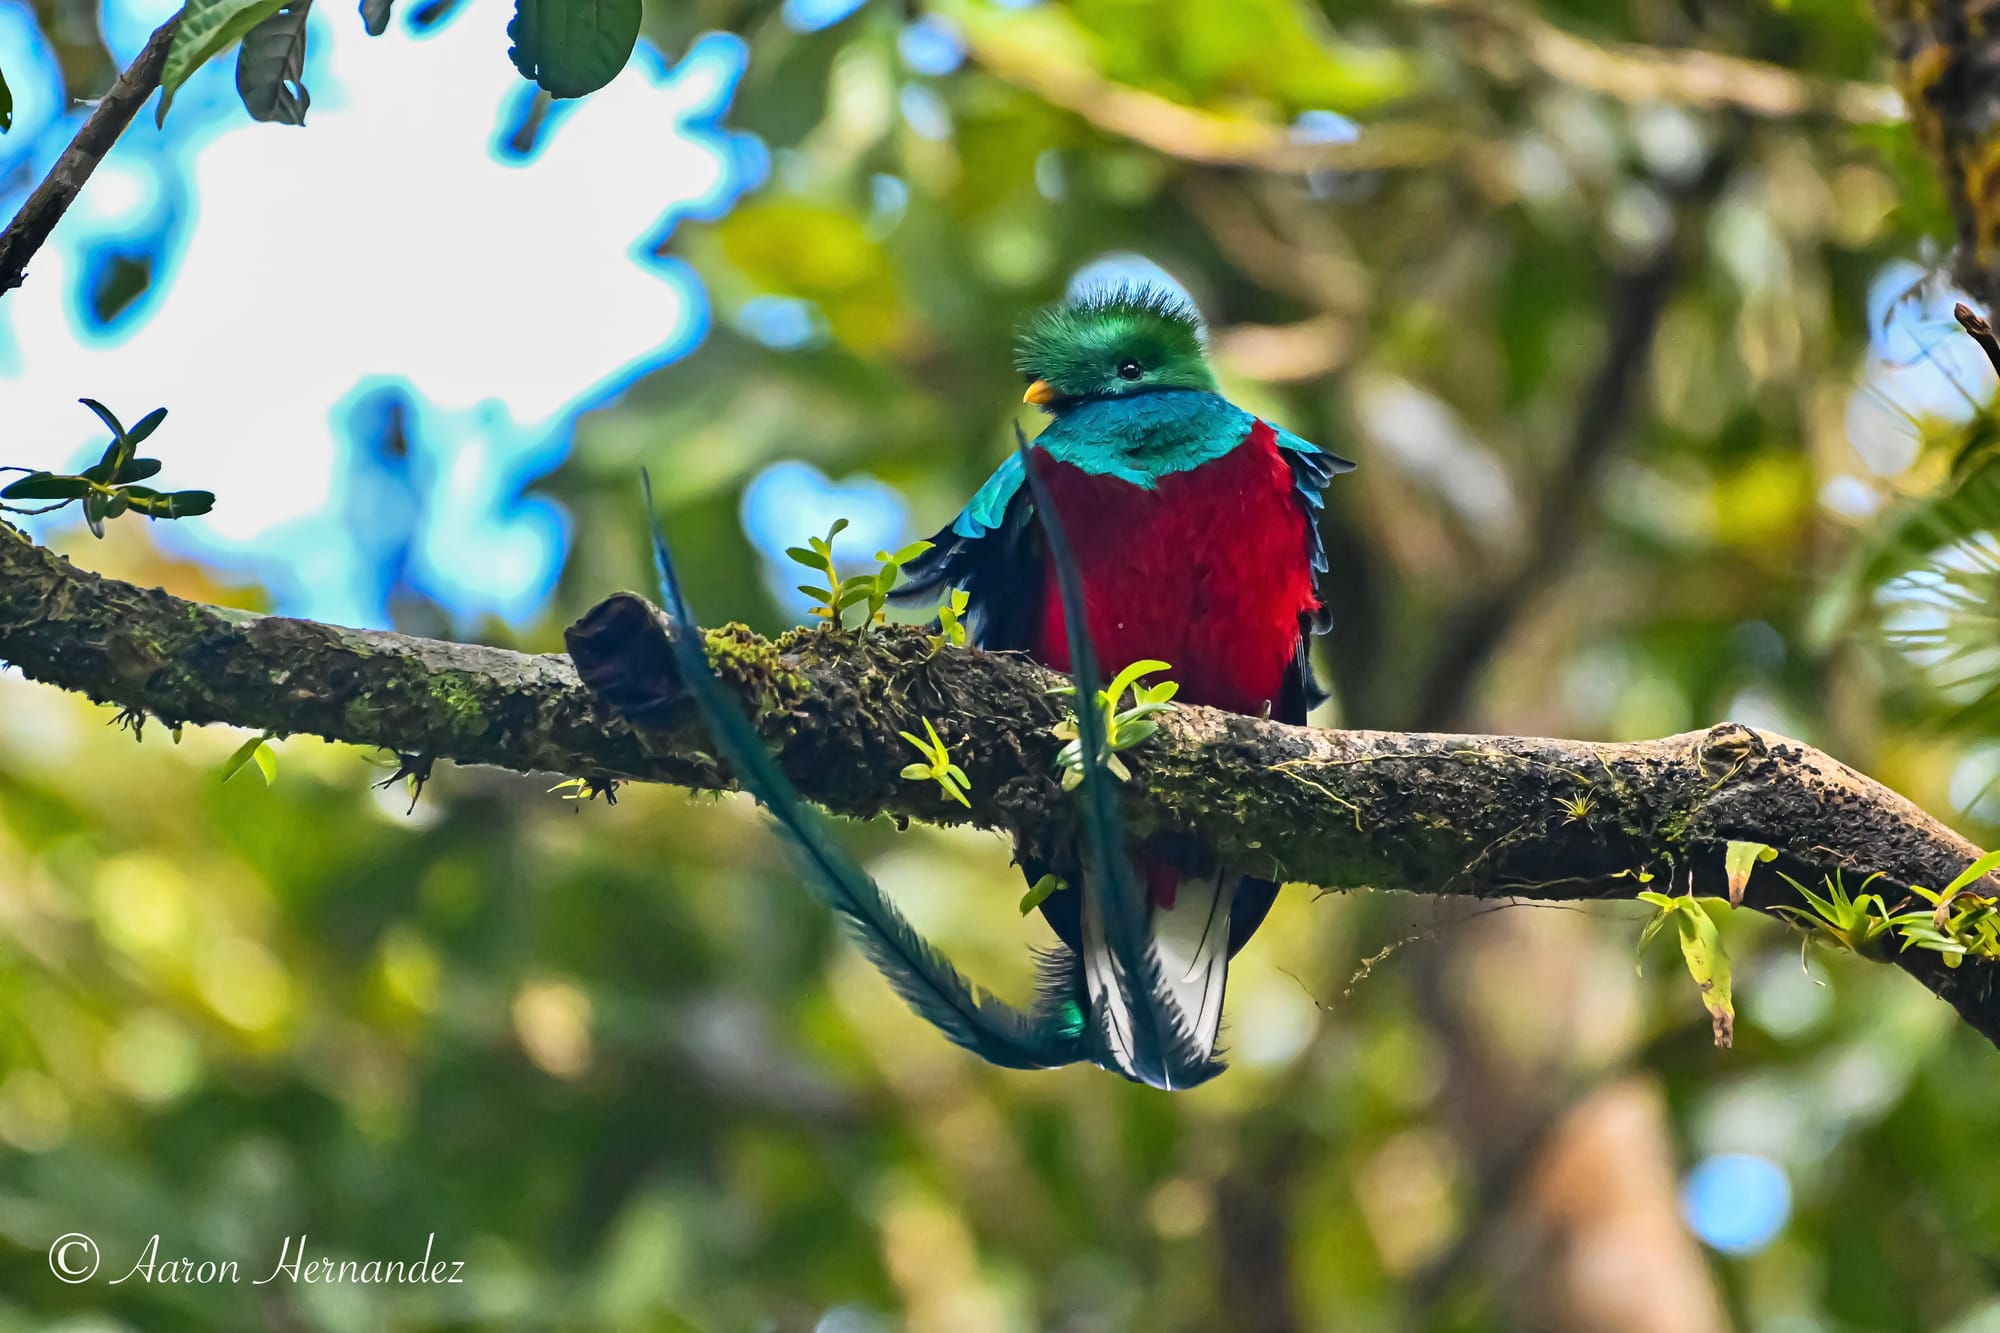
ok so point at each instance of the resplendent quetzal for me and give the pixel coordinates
(1192, 526)
(1172, 525)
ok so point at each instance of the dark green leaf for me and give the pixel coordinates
(6, 105)
(573, 47)
(145, 426)
(115, 284)
(137, 470)
(187, 504)
(171, 504)
(117, 504)
(375, 16)
(271, 67)
(117, 453)
(104, 414)
(47, 486)
(93, 511)
(206, 30)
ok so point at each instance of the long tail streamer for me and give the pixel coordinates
(969, 1015)
(1136, 1019)
(1140, 1040)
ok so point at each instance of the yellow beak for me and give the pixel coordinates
(1039, 393)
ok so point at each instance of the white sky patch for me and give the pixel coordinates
(386, 244)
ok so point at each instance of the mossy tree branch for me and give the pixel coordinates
(1482, 816)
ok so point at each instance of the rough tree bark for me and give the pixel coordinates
(1484, 816)
(1948, 67)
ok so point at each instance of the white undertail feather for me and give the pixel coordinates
(1190, 946)
(1191, 941)
(1107, 994)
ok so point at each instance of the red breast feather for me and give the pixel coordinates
(1207, 571)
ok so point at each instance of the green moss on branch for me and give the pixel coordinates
(1486, 816)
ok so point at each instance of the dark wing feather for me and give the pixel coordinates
(1312, 469)
(992, 552)
(969, 1015)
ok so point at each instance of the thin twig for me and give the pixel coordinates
(1981, 331)
(58, 190)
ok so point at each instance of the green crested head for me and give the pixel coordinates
(1110, 344)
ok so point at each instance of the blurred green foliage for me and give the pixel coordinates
(613, 1061)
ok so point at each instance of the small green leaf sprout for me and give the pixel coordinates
(108, 487)
(1039, 892)
(869, 591)
(257, 748)
(1123, 729)
(1701, 949)
(951, 619)
(937, 765)
(1855, 923)
(1738, 859)
(884, 579)
(817, 555)
(1958, 922)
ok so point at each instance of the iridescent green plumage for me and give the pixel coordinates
(1090, 348)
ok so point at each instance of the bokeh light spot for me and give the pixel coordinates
(1736, 1202)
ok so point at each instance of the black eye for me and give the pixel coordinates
(1130, 370)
